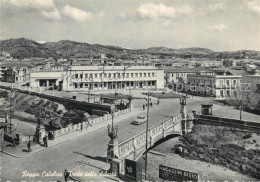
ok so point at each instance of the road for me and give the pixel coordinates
(93, 145)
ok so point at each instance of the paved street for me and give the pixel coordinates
(92, 146)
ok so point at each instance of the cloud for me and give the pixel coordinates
(254, 6)
(75, 13)
(151, 10)
(53, 14)
(219, 27)
(102, 14)
(217, 6)
(32, 4)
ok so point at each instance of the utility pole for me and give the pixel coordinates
(10, 110)
(146, 144)
(88, 92)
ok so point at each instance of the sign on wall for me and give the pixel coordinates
(172, 174)
(133, 170)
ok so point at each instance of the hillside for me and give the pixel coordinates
(25, 48)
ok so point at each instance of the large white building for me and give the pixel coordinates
(219, 86)
(84, 78)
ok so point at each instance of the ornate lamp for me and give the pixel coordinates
(112, 151)
(112, 131)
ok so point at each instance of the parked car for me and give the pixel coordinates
(139, 120)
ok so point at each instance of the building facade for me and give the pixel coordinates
(219, 86)
(84, 78)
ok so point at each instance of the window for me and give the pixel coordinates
(76, 75)
(152, 74)
(172, 75)
(127, 75)
(136, 74)
(234, 82)
(132, 74)
(100, 75)
(86, 75)
(144, 74)
(227, 82)
(105, 75)
(95, 75)
(228, 93)
(140, 74)
(81, 75)
(114, 75)
(118, 75)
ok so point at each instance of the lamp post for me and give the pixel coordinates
(146, 135)
(40, 129)
(184, 114)
(112, 151)
(112, 131)
(10, 110)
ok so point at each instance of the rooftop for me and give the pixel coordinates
(183, 70)
(112, 68)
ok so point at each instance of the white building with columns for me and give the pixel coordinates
(84, 78)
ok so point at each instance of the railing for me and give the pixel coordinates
(89, 123)
(139, 140)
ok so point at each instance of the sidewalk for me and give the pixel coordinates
(20, 151)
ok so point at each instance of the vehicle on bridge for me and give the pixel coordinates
(139, 120)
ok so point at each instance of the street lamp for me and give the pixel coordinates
(112, 131)
(112, 151)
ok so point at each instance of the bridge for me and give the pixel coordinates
(134, 147)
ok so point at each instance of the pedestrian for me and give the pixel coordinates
(151, 104)
(45, 142)
(29, 146)
(158, 102)
(143, 107)
(66, 175)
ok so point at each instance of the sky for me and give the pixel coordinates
(220, 25)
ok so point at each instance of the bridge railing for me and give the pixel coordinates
(138, 141)
(88, 123)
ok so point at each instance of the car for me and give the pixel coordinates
(139, 120)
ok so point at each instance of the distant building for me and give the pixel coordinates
(84, 78)
(15, 72)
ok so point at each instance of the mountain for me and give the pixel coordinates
(25, 48)
(165, 50)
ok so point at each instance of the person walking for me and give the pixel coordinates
(45, 144)
(66, 175)
(29, 146)
(143, 107)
